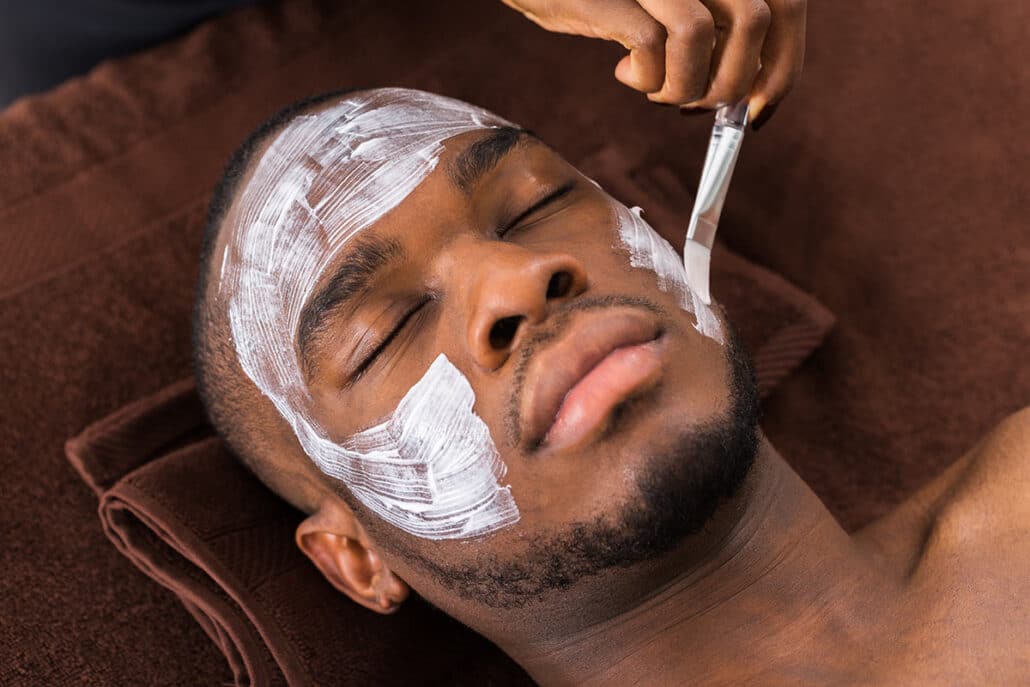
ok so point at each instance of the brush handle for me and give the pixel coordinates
(723, 147)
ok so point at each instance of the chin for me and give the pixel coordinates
(653, 480)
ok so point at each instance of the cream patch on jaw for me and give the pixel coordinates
(431, 467)
(648, 250)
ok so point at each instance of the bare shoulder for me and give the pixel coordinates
(982, 495)
(962, 548)
(1000, 463)
(990, 495)
(1010, 440)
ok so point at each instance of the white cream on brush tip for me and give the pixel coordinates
(723, 147)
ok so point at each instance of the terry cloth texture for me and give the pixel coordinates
(887, 186)
(179, 506)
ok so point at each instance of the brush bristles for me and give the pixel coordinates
(696, 260)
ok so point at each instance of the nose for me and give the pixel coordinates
(511, 289)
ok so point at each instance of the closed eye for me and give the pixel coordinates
(369, 360)
(551, 197)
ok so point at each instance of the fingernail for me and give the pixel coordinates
(767, 112)
(754, 107)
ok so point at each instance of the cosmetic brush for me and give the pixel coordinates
(723, 147)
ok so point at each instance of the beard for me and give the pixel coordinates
(675, 496)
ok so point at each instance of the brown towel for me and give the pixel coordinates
(886, 184)
(179, 506)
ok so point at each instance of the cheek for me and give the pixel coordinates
(431, 468)
(648, 250)
(607, 229)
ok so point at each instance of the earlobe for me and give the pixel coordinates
(337, 545)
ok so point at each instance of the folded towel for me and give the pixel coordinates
(876, 187)
(177, 504)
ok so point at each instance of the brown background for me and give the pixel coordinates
(892, 185)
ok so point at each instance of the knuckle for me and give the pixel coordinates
(757, 18)
(650, 36)
(693, 29)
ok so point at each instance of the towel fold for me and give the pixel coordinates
(176, 503)
(876, 187)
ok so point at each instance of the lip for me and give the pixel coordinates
(574, 384)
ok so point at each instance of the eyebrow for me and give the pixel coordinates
(476, 161)
(357, 269)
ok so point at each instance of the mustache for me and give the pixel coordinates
(559, 322)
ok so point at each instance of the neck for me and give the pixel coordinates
(783, 591)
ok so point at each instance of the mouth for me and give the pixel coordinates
(576, 383)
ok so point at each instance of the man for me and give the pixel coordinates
(485, 379)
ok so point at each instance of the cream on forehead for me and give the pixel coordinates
(431, 468)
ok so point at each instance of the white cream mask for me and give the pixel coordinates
(647, 249)
(430, 468)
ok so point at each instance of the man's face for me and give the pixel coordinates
(590, 379)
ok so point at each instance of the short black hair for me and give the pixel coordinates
(239, 163)
(215, 367)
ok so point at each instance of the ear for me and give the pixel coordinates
(336, 543)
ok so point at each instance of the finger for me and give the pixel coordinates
(782, 57)
(643, 69)
(737, 57)
(690, 35)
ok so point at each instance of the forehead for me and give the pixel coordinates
(325, 178)
(334, 171)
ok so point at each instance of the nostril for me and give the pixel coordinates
(559, 284)
(503, 331)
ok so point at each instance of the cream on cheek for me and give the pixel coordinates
(648, 250)
(430, 468)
